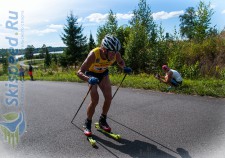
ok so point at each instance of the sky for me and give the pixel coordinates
(41, 21)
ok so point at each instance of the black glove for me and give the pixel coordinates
(127, 70)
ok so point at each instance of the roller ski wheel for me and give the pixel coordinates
(111, 134)
(91, 141)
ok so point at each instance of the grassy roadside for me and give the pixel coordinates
(202, 87)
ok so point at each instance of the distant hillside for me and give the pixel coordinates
(51, 49)
(36, 50)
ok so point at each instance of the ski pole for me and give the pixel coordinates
(82, 103)
(119, 85)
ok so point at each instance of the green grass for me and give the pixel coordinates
(202, 87)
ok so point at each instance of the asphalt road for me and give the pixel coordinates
(152, 124)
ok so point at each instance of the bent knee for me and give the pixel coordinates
(94, 102)
(108, 99)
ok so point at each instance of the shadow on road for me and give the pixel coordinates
(180, 151)
(136, 148)
(183, 153)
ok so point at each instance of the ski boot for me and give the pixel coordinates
(103, 127)
(87, 128)
(103, 124)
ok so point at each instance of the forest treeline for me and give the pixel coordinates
(196, 48)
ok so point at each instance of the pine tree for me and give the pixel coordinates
(29, 52)
(195, 24)
(47, 58)
(136, 49)
(91, 43)
(74, 40)
(42, 51)
(5, 62)
(142, 37)
(110, 27)
(204, 14)
(143, 16)
(187, 25)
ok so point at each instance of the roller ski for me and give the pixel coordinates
(103, 127)
(111, 134)
(91, 141)
(88, 133)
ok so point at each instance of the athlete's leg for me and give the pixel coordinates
(106, 89)
(105, 86)
(93, 103)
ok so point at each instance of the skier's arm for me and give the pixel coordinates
(119, 60)
(85, 66)
(121, 63)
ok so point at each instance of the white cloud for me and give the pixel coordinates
(124, 16)
(40, 11)
(80, 20)
(166, 15)
(5, 34)
(97, 17)
(38, 43)
(223, 12)
(53, 26)
(43, 32)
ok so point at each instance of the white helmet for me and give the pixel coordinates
(111, 43)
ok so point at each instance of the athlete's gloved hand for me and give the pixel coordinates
(127, 70)
(93, 80)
